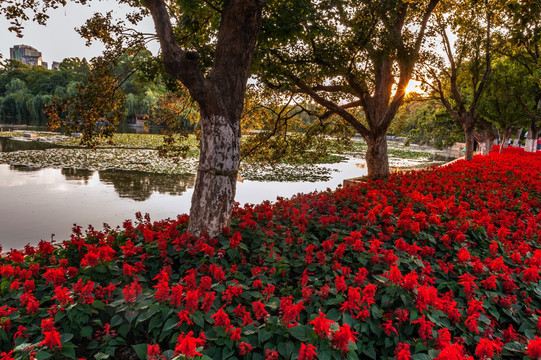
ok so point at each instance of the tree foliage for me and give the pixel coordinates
(427, 123)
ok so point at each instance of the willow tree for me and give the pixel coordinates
(208, 46)
(353, 58)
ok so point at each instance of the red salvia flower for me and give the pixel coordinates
(322, 325)
(307, 352)
(187, 344)
(402, 351)
(343, 336)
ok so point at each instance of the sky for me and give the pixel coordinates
(58, 39)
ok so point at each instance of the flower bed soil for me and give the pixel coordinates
(441, 263)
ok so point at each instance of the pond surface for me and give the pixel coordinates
(37, 203)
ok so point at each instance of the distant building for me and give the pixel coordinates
(55, 66)
(27, 55)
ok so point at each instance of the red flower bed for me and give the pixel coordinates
(442, 263)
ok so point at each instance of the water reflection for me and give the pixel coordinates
(72, 174)
(139, 186)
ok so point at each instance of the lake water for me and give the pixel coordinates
(36, 203)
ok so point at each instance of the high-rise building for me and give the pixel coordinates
(26, 54)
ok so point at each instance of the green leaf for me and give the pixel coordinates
(514, 348)
(68, 351)
(155, 322)
(124, 330)
(99, 305)
(264, 335)
(300, 332)
(198, 319)
(168, 354)
(132, 315)
(370, 352)
(170, 324)
(421, 357)
(116, 321)
(66, 337)
(86, 332)
(141, 350)
(227, 352)
(352, 355)
(42, 355)
(101, 356)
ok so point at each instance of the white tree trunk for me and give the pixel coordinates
(485, 147)
(216, 182)
(531, 139)
(517, 138)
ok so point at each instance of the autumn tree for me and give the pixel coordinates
(95, 109)
(353, 58)
(208, 46)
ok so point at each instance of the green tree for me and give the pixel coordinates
(459, 80)
(353, 58)
(499, 103)
(521, 43)
(427, 123)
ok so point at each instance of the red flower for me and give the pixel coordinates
(7, 356)
(154, 352)
(234, 333)
(321, 325)
(389, 328)
(531, 274)
(307, 352)
(187, 344)
(402, 351)
(453, 352)
(425, 328)
(259, 310)
(342, 337)
(487, 348)
(52, 338)
(533, 349)
(271, 354)
(131, 291)
(221, 318)
(245, 348)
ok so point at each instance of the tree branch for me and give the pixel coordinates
(333, 107)
(178, 63)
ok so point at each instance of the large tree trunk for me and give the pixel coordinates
(516, 142)
(220, 95)
(485, 137)
(470, 140)
(505, 136)
(377, 161)
(531, 139)
(214, 192)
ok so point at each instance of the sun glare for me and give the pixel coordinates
(414, 86)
